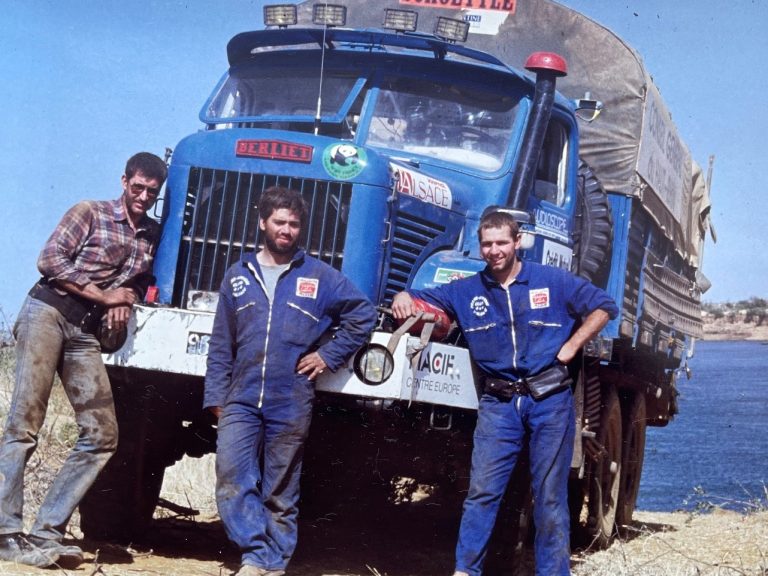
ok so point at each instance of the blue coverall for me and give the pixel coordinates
(513, 333)
(266, 405)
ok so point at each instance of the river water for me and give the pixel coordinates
(716, 449)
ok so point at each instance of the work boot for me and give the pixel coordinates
(15, 548)
(69, 556)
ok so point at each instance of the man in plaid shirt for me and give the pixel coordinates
(99, 257)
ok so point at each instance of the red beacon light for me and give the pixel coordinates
(547, 61)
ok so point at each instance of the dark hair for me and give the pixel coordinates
(497, 217)
(148, 164)
(279, 197)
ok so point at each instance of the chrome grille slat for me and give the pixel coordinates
(411, 236)
(220, 223)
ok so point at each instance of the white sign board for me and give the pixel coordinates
(663, 158)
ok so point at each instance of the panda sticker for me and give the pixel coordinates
(344, 161)
(344, 155)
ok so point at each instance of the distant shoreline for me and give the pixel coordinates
(723, 330)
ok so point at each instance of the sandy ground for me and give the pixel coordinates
(410, 543)
(351, 535)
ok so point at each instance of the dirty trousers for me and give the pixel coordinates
(502, 428)
(258, 468)
(45, 343)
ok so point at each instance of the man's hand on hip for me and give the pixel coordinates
(311, 364)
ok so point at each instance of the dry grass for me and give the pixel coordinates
(718, 543)
(56, 438)
(189, 483)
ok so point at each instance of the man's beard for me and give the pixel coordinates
(275, 249)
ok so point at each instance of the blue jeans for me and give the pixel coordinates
(259, 453)
(502, 428)
(45, 343)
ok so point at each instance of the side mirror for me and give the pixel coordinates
(587, 109)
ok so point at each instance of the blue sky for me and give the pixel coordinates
(86, 83)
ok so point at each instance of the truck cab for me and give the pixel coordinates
(398, 140)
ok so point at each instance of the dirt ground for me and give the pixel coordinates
(419, 540)
(347, 534)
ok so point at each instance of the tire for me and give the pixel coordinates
(120, 504)
(593, 228)
(633, 450)
(605, 477)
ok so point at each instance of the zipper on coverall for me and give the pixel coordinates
(513, 334)
(269, 326)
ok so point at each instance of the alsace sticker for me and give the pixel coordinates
(479, 306)
(422, 187)
(446, 275)
(539, 298)
(274, 150)
(239, 284)
(307, 287)
(344, 161)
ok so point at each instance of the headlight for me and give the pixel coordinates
(373, 364)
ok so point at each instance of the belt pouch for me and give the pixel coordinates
(549, 381)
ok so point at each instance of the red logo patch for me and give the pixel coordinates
(539, 298)
(307, 287)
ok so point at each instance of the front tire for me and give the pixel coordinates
(120, 504)
(634, 424)
(605, 477)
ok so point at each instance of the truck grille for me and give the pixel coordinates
(221, 222)
(412, 235)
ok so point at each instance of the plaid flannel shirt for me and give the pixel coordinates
(95, 243)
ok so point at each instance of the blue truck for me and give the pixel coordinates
(400, 122)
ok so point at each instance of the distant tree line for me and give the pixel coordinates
(6, 337)
(754, 310)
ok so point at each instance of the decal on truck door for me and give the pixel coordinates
(422, 187)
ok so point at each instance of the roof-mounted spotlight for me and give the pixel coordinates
(451, 30)
(281, 15)
(329, 14)
(400, 20)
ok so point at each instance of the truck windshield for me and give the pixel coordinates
(459, 123)
(255, 93)
(455, 123)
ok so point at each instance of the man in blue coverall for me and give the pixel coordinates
(263, 358)
(518, 319)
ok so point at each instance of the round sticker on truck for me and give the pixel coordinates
(344, 161)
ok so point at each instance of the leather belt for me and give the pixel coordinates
(504, 389)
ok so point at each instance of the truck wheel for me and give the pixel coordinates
(634, 422)
(121, 502)
(606, 472)
(593, 227)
